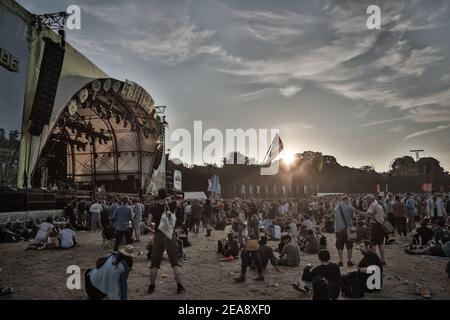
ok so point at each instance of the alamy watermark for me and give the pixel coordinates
(253, 143)
(374, 20)
(73, 21)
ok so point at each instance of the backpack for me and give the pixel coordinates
(351, 286)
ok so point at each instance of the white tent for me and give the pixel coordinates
(195, 195)
(330, 194)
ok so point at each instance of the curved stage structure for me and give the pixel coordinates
(107, 135)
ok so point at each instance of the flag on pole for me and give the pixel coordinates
(274, 150)
(243, 189)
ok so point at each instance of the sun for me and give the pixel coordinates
(288, 156)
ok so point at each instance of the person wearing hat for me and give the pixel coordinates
(163, 241)
(110, 276)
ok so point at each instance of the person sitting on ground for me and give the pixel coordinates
(7, 235)
(23, 230)
(310, 244)
(327, 270)
(110, 277)
(361, 275)
(290, 254)
(292, 228)
(67, 238)
(441, 233)
(305, 226)
(46, 230)
(229, 248)
(438, 250)
(423, 234)
(320, 289)
(265, 253)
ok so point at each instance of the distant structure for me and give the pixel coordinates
(417, 152)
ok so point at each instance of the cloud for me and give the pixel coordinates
(274, 27)
(427, 131)
(289, 91)
(396, 129)
(159, 34)
(255, 94)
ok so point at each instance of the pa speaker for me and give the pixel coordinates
(51, 64)
(158, 156)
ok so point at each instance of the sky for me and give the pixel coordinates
(310, 68)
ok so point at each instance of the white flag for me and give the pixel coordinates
(274, 150)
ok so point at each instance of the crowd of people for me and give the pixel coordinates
(298, 226)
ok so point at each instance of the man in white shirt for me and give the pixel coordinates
(375, 213)
(95, 211)
(67, 238)
(435, 208)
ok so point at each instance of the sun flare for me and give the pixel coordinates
(288, 156)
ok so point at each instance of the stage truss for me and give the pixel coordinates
(112, 135)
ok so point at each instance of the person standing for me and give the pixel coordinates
(250, 252)
(122, 221)
(82, 214)
(411, 212)
(375, 213)
(207, 216)
(196, 210)
(69, 211)
(187, 219)
(399, 212)
(138, 211)
(95, 212)
(435, 208)
(162, 242)
(343, 223)
(389, 202)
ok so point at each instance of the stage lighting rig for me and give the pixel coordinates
(53, 21)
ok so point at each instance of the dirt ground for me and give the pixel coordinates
(42, 274)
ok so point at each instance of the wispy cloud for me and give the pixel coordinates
(427, 131)
(396, 129)
(257, 94)
(289, 91)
